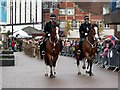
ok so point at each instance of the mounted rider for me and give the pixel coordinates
(84, 28)
(48, 29)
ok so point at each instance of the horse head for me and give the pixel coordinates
(55, 33)
(94, 32)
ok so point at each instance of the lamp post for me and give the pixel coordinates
(11, 8)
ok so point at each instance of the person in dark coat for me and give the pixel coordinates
(84, 28)
(50, 25)
(48, 29)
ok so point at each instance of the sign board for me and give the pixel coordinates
(3, 11)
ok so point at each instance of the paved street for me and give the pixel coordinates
(29, 73)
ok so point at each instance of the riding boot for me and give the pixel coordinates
(43, 47)
(61, 45)
(80, 44)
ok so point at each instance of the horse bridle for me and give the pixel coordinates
(92, 45)
(54, 43)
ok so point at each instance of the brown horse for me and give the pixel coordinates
(88, 49)
(52, 52)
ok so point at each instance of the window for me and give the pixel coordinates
(62, 11)
(70, 11)
(62, 24)
(118, 27)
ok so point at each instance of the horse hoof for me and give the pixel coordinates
(79, 73)
(55, 73)
(52, 76)
(46, 75)
(83, 67)
(91, 74)
(87, 72)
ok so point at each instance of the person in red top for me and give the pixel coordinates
(13, 45)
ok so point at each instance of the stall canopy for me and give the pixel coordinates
(21, 34)
(32, 31)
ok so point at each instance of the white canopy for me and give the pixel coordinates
(21, 34)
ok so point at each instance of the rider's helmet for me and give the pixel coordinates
(52, 16)
(86, 17)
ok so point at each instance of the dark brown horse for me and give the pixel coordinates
(52, 52)
(88, 49)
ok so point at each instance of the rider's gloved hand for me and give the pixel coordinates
(48, 34)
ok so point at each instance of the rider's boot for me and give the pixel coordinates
(43, 51)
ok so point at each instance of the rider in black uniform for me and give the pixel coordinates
(48, 29)
(84, 28)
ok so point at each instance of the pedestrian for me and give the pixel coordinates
(13, 45)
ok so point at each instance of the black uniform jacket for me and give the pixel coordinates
(49, 26)
(84, 30)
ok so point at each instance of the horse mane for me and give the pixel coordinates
(94, 25)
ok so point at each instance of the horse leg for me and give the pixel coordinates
(87, 70)
(91, 74)
(78, 62)
(51, 73)
(51, 67)
(79, 73)
(84, 66)
(54, 72)
(46, 71)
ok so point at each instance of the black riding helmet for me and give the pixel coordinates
(86, 17)
(52, 16)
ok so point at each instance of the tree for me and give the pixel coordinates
(8, 33)
(67, 28)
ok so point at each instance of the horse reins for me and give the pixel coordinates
(53, 42)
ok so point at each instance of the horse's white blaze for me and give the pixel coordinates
(57, 30)
(96, 32)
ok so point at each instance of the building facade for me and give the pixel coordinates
(21, 13)
(113, 17)
(70, 11)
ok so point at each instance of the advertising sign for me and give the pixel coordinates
(3, 10)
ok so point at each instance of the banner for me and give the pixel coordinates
(3, 10)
